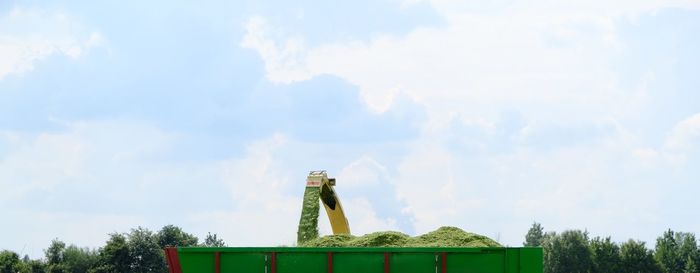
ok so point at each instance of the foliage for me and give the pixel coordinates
(605, 255)
(675, 250)
(79, 260)
(54, 257)
(691, 267)
(213, 241)
(114, 256)
(688, 252)
(636, 258)
(174, 236)
(667, 253)
(145, 253)
(534, 236)
(60, 258)
(138, 251)
(567, 252)
(35, 266)
(9, 262)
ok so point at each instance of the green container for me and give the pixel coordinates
(353, 260)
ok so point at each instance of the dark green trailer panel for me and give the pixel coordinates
(353, 260)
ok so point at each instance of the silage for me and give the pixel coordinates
(340, 240)
(308, 224)
(307, 234)
(380, 239)
(442, 237)
(452, 237)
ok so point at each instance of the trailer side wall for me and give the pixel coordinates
(354, 260)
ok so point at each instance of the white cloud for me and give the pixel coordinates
(258, 170)
(685, 135)
(74, 155)
(107, 158)
(500, 194)
(44, 162)
(364, 180)
(476, 60)
(426, 184)
(540, 56)
(362, 217)
(257, 182)
(362, 172)
(576, 8)
(28, 36)
(282, 62)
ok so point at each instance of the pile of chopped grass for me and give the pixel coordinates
(308, 224)
(379, 239)
(452, 237)
(442, 237)
(340, 240)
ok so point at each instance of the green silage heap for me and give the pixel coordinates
(442, 237)
(452, 237)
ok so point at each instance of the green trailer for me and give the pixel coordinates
(353, 260)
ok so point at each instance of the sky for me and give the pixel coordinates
(485, 116)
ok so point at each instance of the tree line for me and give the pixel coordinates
(572, 251)
(138, 251)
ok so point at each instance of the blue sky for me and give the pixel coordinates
(209, 116)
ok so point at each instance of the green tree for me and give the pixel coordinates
(605, 255)
(567, 252)
(54, 254)
(675, 249)
(171, 235)
(534, 236)
(54, 257)
(35, 266)
(9, 262)
(636, 258)
(213, 241)
(114, 257)
(688, 251)
(79, 260)
(691, 267)
(146, 255)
